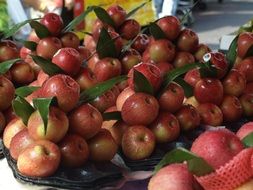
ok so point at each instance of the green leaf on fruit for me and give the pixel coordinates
(47, 66)
(78, 19)
(156, 31)
(232, 52)
(106, 46)
(249, 52)
(15, 28)
(25, 90)
(115, 115)
(188, 89)
(132, 12)
(196, 165)
(248, 140)
(141, 83)
(103, 16)
(30, 45)
(208, 70)
(43, 106)
(6, 65)
(22, 109)
(99, 89)
(40, 30)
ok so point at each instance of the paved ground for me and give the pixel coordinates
(221, 19)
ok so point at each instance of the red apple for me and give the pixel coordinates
(24, 52)
(86, 78)
(9, 114)
(234, 83)
(246, 101)
(7, 93)
(33, 37)
(201, 51)
(89, 43)
(244, 42)
(165, 128)
(192, 77)
(102, 146)
(107, 124)
(2, 122)
(117, 13)
(220, 63)
(188, 117)
(217, 147)
(140, 109)
(231, 108)
(141, 43)
(209, 90)
(53, 22)
(39, 160)
(210, 114)
(248, 88)
(138, 142)
(122, 97)
(85, 121)
(74, 151)
(171, 26)
(246, 68)
(85, 53)
(172, 98)
(129, 59)
(129, 29)
(164, 67)
(64, 88)
(93, 61)
(48, 46)
(183, 58)
(191, 101)
(8, 50)
(70, 39)
(57, 125)
(20, 142)
(12, 128)
(245, 130)
(188, 41)
(35, 94)
(68, 59)
(42, 77)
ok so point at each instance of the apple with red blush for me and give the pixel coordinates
(246, 101)
(42, 77)
(129, 59)
(9, 114)
(53, 23)
(8, 50)
(187, 40)
(85, 53)
(117, 14)
(122, 97)
(141, 43)
(48, 46)
(7, 93)
(107, 124)
(202, 49)
(164, 67)
(89, 43)
(246, 68)
(248, 88)
(2, 122)
(70, 39)
(192, 77)
(191, 101)
(244, 42)
(183, 58)
(129, 29)
(33, 37)
(218, 60)
(86, 78)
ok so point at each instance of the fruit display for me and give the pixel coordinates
(129, 91)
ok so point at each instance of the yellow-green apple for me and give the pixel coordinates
(246, 101)
(40, 159)
(57, 125)
(85, 121)
(12, 128)
(188, 41)
(7, 92)
(53, 22)
(48, 46)
(217, 147)
(138, 142)
(74, 151)
(188, 117)
(172, 98)
(70, 39)
(64, 88)
(140, 109)
(102, 146)
(183, 58)
(165, 128)
(122, 97)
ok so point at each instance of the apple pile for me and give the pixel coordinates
(145, 110)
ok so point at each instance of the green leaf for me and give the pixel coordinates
(249, 52)
(132, 12)
(40, 30)
(11, 31)
(6, 65)
(25, 90)
(248, 140)
(46, 65)
(156, 31)
(43, 105)
(195, 164)
(141, 83)
(232, 52)
(30, 45)
(99, 89)
(116, 115)
(22, 109)
(104, 16)
(209, 70)
(78, 19)
(106, 46)
(188, 89)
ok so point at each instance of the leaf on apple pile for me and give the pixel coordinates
(30, 45)
(188, 89)
(249, 52)
(156, 31)
(78, 19)
(40, 30)
(24, 91)
(141, 83)
(6, 65)
(105, 46)
(132, 12)
(196, 165)
(115, 115)
(22, 109)
(103, 16)
(248, 140)
(209, 70)
(11, 31)
(99, 89)
(232, 52)
(47, 66)
(43, 105)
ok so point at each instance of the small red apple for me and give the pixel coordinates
(244, 42)
(188, 41)
(246, 101)
(70, 39)
(86, 78)
(192, 77)
(48, 46)
(7, 93)
(248, 88)
(220, 63)
(246, 68)
(126, 93)
(8, 50)
(164, 67)
(201, 51)
(129, 29)
(53, 22)
(117, 13)
(141, 43)
(129, 59)
(183, 58)
(2, 122)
